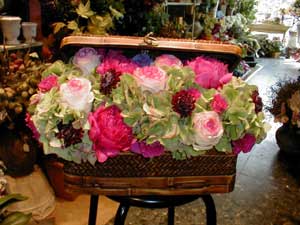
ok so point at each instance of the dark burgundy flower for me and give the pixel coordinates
(216, 29)
(257, 101)
(69, 134)
(109, 81)
(183, 103)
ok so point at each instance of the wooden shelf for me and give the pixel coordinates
(269, 28)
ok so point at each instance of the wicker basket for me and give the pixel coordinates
(131, 174)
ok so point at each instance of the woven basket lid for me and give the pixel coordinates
(226, 52)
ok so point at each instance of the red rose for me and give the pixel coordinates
(109, 133)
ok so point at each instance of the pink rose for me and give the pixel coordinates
(77, 94)
(148, 151)
(208, 130)
(219, 104)
(31, 126)
(210, 73)
(151, 78)
(244, 144)
(109, 133)
(87, 59)
(167, 60)
(48, 83)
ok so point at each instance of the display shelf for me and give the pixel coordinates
(21, 46)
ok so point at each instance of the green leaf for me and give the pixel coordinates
(72, 25)
(10, 199)
(58, 26)
(16, 218)
(115, 13)
(224, 145)
(100, 25)
(85, 10)
(58, 67)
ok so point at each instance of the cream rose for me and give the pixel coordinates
(151, 78)
(208, 130)
(77, 94)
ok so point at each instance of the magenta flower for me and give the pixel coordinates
(31, 126)
(244, 144)
(48, 83)
(111, 54)
(167, 60)
(109, 133)
(195, 93)
(151, 78)
(118, 63)
(87, 59)
(219, 104)
(210, 73)
(148, 151)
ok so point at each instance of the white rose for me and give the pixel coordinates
(208, 130)
(77, 94)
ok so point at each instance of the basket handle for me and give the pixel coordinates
(150, 40)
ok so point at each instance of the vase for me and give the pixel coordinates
(18, 152)
(288, 140)
(29, 31)
(10, 26)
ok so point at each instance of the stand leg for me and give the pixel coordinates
(93, 209)
(211, 215)
(121, 214)
(171, 214)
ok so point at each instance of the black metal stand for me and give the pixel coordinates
(169, 202)
(93, 209)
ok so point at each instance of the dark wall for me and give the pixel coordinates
(16, 8)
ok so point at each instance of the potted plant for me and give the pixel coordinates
(270, 48)
(19, 77)
(285, 108)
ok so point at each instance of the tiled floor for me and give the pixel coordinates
(266, 192)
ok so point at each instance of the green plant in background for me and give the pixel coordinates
(269, 46)
(296, 4)
(208, 24)
(247, 8)
(12, 218)
(94, 17)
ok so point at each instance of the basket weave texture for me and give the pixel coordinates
(133, 165)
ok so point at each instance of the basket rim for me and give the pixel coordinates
(170, 44)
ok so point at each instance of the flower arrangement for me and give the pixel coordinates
(105, 103)
(285, 105)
